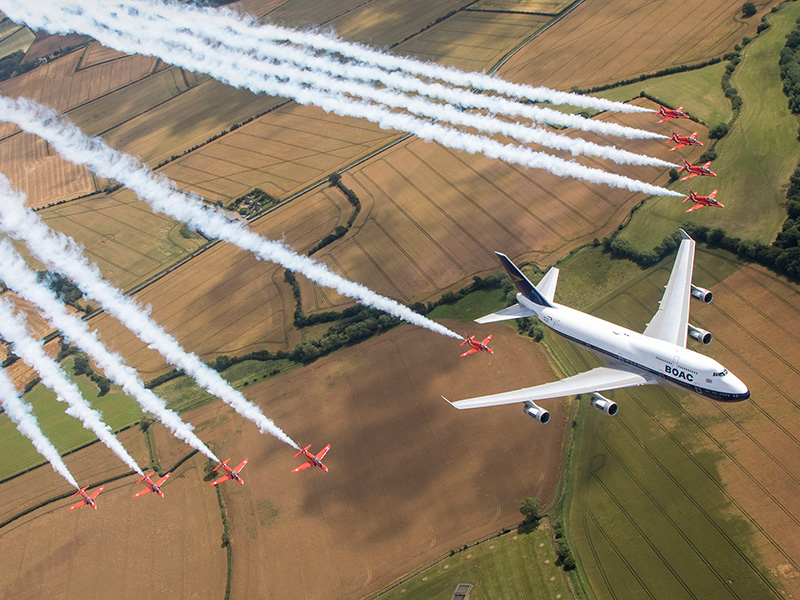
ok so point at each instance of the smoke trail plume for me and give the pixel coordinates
(15, 332)
(248, 27)
(155, 189)
(227, 71)
(62, 254)
(19, 277)
(21, 413)
(173, 23)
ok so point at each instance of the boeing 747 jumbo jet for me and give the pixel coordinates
(657, 356)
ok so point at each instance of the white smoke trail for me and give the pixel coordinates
(337, 78)
(19, 277)
(15, 332)
(21, 413)
(172, 23)
(247, 27)
(229, 72)
(155, 189)
(62, 254)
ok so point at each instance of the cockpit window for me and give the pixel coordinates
(721, 373)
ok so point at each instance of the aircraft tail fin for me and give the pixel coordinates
(523, 284)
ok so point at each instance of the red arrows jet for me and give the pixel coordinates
(229, 473)
(694, 171)
(87, 499)
(151, 487)
(701, 201)
(683, 140)
(476, 345)
(311, 460)
(669, 113)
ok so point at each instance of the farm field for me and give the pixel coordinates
(432, 217)
(764, 135)
(378, 405)
(544, 7)
(14, 38)
(225, 301)
(472, 40)
(67, 551)
(698, 91)
(512, 566)
(45, 44)
(123, 236)
(599, 44)
(681, 496)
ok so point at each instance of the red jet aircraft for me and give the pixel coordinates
(151, 487)
(668, 113)
(229, 473)
(311, 460)
(684, 140)
(695, 171)
(476, 345)
(701, 201)
(87, 499)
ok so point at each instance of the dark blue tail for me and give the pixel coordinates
(525, 287)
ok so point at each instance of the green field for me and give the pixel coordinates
(13, 38)
(699, 91)
(647, 514)
(471, 306)
(512, 566)
(755, 159)
(66, 433)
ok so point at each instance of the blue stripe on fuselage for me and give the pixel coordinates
(713, 394)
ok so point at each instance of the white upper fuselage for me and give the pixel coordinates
(645, 355)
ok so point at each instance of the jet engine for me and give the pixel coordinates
(702, 294)
(604, 404)
(701, 335)
(536, 412)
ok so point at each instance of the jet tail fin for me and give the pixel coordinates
(523, 284)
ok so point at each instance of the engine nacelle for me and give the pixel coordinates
(702, 294)
(701, 335)
(536, 412)
(604, 404)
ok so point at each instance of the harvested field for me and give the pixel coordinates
(19, 38)
(282, 152)
(471, 40)
(678, 493)
(259, 8)
(225, 301)
(40, 173)
(123, 236)
(95, 53)
(433, 217)
(378, 404)
(46, 44)
(147, 547)
(542, 7)
(599, 44)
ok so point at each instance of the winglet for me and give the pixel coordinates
(448, 401)
(684, 235)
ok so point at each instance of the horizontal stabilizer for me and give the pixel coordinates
(512, 312)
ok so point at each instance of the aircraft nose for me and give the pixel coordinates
(739, 388)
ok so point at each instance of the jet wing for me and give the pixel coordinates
(97, 493)
(302, 467)
(163, 479)
(596, 380)
(241, 466)
(324, 451)
(487, 340)
(670, 323)
(143, 492)
(221, 479)
(512, 312)
(470, 351)
(79, 504)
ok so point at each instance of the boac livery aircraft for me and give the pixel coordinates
(657, 356)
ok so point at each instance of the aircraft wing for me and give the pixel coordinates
(470, 351)
(221, 479)
(512, 312)
(487, 340)
(241, 466)
(323, 452)
(670, 323)
(97, 493)
(596, 380)
(302, 467)
(163, 479)
(143, 492)
(695, 207)
(79, 504)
